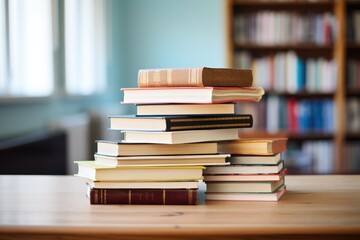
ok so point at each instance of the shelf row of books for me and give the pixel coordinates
(287, 72)
(353, 115)
(278, 114)
(310, 157)
(352, 156)
(161, 158)
(352, 26)
(353, 74)
(276, 28)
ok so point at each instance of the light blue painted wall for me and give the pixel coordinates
(144, 34)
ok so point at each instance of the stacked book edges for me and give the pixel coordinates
(256, 171)
(182, 116)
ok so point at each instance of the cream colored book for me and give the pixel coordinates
(255, 159)
(245, 187)
(170, 160)
(245, 169)
(143, 185)
(97, 172)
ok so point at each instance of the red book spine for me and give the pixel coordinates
(143, 196)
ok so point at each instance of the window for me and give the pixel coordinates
(85, 46)
(29, 47)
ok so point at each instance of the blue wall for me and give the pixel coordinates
(144, 34)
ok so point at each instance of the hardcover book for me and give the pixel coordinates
(245, 187)
(245, 169)
(179, 137)
(118, 148)
(143, 185)
(191, 95)
(184, 109)
(195, 77)
(255, 159)
(99, 172)
(265, 177)
(170, 160)
(262, 197)
(254, 146)
(179, 123)
(142, 196)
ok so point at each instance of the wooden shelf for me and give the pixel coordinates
(353, 136)
(352, 93)
(338, 51)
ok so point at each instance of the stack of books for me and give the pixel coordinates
(182, 115)
(256, 171)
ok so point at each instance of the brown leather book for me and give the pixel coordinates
(195, 77)
(142, 196)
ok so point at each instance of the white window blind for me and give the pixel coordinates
(27, 66)
(85, 46)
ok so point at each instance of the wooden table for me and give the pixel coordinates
(37, 207)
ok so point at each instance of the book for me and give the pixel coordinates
(118, 148)
(179, 123)
(184, 109)
(254, 146)
(245, 177)
(99, 172)
(179, 137)
(266, 197)
(255, 159)
(244, 169)
(191, 95)
(143, 185)
(245, 187)
(142, 196)
(195, 77)
(169, 160)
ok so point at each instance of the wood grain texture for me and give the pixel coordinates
(39, 207)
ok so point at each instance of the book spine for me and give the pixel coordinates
(182, 77)
(179, 124)
(143, 196)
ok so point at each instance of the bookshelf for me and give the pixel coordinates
(323, 35)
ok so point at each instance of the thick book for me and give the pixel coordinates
(195, 77)
(184, 109)
(99, 172)
(143, 185)
(142, 196)
(273, 177)
(254, 146)
(169, 160)
(245, 187)
(191, 95)
(245, 169)
(261, 197)
(179, 123)
(180, 137)
(118, 148)
(255, 159)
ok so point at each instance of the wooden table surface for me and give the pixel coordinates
(321, 207)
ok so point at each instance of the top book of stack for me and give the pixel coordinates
(195, 77)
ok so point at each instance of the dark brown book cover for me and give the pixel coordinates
(195, 77)
(143, 196)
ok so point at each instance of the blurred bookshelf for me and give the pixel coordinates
(306, 55)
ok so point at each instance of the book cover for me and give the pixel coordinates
(184, 109)
(255, 159)
(180, 137)
(98, 172)
(245, 187)
(169, 160)
(179, 123)
(119, 148)
(254, 146)
(160, 95)
(245, 169)
(195, 77)
(142, 196)
(266, 177)
(143, 185)
(261, 197)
